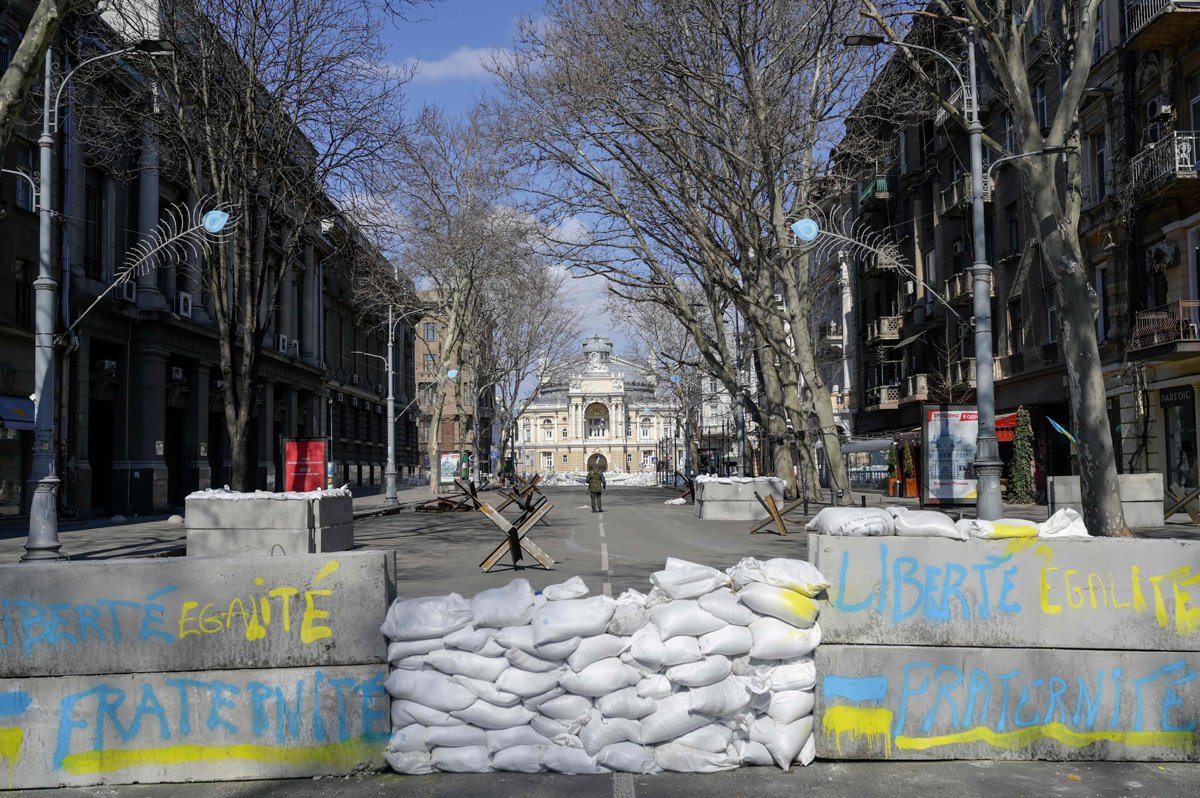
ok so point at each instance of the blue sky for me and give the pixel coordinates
(448, 41)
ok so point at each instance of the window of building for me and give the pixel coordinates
(958, 256)
(430, 332)
(547, 430)
(1179, 413)
(1100, 38)
(1036, 17)
(1012, 229)
(646, 427)
(1102, 297)
(1194, 101)
(23, 273)
(1051, 297)
(564, 459)
(93, 225)
(23, 195)
(1016, 328)
(1097, 167)
(548, 461)
(1039, 105)
(429, 363)
(597, 427)
(528, 432)
(902, 151)
(1153, 121)
(1010, 133)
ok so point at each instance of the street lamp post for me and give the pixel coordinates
(43, 543)
(988, 465)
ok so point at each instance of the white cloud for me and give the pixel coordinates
(572, 230)
(465, 63)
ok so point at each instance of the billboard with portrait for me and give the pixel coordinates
(949, 434)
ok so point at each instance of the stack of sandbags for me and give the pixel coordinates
(901, 521)
(709, 671)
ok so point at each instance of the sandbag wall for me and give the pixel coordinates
(1021, 648)
(143, 671)
(706, 672)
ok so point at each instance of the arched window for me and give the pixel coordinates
(528, 432)
(547, 430)
(597, 420)
(646, 427)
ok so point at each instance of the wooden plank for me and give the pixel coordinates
(1187, 503)
(774, 511)
(769, 520)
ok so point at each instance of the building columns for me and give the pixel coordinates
(148, 295)
(311, 308)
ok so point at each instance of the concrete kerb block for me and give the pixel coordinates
(1142, 497)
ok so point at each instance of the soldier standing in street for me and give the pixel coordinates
(596, 485)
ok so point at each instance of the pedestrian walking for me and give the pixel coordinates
(596, 485)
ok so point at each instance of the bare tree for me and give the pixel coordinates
(1020, 40)
(280, 110)
(689, 135)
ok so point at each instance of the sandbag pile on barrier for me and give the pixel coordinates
(903, 522)
(708, 671)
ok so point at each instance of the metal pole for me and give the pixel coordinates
(987, 453)
(43, 543)
(389, 470)
(740, 412)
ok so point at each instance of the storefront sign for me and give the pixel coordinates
(949, 434)
(1173, 397)
(304, 464)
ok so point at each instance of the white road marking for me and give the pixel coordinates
(604, 557)
(623, 785)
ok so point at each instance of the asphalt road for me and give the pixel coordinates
(613, 551)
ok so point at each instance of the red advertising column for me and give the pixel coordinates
(304, 464)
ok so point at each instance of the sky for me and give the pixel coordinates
(449, 42)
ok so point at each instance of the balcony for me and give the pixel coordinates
(884, 328)
(956, 99)
(960, 288)
(962, 372)
(883, 397)
(1156, 24)
(840, 401)
(1169, 331)
(880, 188)
(1166, 167)
(955, 199)
(916, 388)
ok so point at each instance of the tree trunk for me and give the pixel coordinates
(433, 448)
(777, 431)
(26, 67)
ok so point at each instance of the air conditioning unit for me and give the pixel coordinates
(354, 379)
(295, 349)
(1164, 110)
(910, 287)
(176, 374)
(183, 305)
(281, 344)
(106, 367)
(126, 292)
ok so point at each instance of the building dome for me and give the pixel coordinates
(597, 343)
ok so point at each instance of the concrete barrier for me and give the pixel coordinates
(732, 498)
(192, 726)
(261, 523)
(889, 702)
(1141, 497)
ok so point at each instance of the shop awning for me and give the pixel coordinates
(1006, 427)
(16, 412)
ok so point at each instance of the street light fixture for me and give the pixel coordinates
(43, 543)
(988, 465)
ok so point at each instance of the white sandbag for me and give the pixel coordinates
(527, 683)
(682, 579)
(724, 605)
(684, 617)
(468, 759)
(788, 606)
(682, 759)
(657, 686)
(487, 691)
(464, 663)
(672, 719)
(519, 759)
(808, 752)
(720, 699)
(709, 670)
(534, 703)
(774, 639)
(573, 588)
(490, 716)
(570, 760)
(924, 524)
(412, 648)
(681, 650)
(733, 641)
(423, 618)
(469, 638)
(433, 689)
(625, 703)
(594, 649)
(788, 706)
(646, 647)
(599, 732)
(559, 732)
(630, 614)
(406, 713)
(410, 738)
(799, 675)
(713, 738)
(492, 649)
(628, 758)
(414, 663)
(753, 753)
(528, 662)
(599, 678)
(563, 620)
(409, 763)
(1000, 529)
(655, 597)
(499, 739)
(511, 605)
(783, 740)
(798, 575)
(459, 736)
(568, 708)
(521, 638)
(1066, 523)
(852, 521)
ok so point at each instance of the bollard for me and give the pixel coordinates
(864, 500)
(806, 506)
